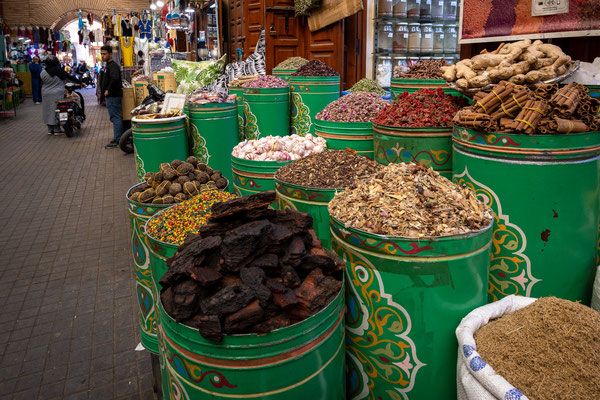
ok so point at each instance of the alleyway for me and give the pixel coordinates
(68, 313)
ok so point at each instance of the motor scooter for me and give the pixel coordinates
(87, 79)
(70, 111)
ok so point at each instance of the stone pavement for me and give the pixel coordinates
(68, 311)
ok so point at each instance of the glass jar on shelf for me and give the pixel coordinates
(399, 10)
(450, 10)
(383, 73)
(437, 9)
(399, 65)
(425, 10)
(400, 37)
(414, 37)
(385, 37)
(438, 38)
(450, 38)
(413, 8)
(384, 8)
(426, 38)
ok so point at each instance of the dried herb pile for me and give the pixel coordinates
(239, 82)
(177, 181)
(423, 108)
(426, 69)
(332, 169)
(410, 200)
(353, 107)
(279, 148)
(367, 85)
(267, 81)
(549, 349)
(547, 109)
(315, 68)
(291, 63)
(250, 269)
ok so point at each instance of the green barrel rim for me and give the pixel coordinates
(251, 177)
(341, 135)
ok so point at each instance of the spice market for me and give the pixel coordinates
(363, 200)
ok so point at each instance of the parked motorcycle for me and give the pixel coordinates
(88, 79)
(70, 111)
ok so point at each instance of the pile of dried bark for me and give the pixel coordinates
(250, 269)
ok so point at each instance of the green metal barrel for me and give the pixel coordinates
(594, 90)
(284, 74)
(313, 201)
(267, 112)
(159, 252)
(400, 86)
(352, 135)
(290, 363)
(139, 214)
(404, 299)
(214, 129)
(545, 191)
(251, 177)
(431, 147)
(239, 93)
(310, 95)
(157, 141)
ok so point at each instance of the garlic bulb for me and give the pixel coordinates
(276, 148)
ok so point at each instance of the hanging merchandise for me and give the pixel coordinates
(145, 27)
(114, 43)
(108, 26)
(80, 20)
(135, 23)
(140, 47)
(36, 34)
(127, 49)
(90, 18)
(126, 28)
(92, 37)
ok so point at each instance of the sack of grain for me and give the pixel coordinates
(476, 380)
(596, 292)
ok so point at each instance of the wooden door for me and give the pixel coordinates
(354, 48)
(254, 21)
(236, 27)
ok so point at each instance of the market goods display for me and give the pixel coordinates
(291, 63)
(152, 108)
(267, 81)
(425, 69)
(410, 200)
(549, 338)
(191, 75)
(147, 114)
(511, 108)
(177, 181)
(304, 7)
(423, 108)
(520, 62)
(354, 107)
(203, 97)
(175, 223)
(332, 169)
(315, 68)
(279, 148)
(239, 82)
(367, 85)
(250, 269)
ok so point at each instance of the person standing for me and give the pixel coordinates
(113, 94)
(53, 88)
(36, 85)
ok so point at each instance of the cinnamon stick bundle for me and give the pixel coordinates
(545, 90)
(513, 105)
(495, 99)
(530, 115)
(479, 96)
(566, 126)
(473, 120)
(566, 99)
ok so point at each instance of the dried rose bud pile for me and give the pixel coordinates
(315, 68)
(277, 148)
(267, 81)
(239, 82)
(410, 200)
(353, 107)
(423, 108)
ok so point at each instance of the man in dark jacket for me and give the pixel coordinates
(113, 93)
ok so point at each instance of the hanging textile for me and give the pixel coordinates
(135, 24)
(145, 28)
(108, 26)
(114, 43)
(80, 18)
(90, 18)
(127, 49)
(126, 28)
(117, 25)
(36, 34)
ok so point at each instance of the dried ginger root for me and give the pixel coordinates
(483, 61)
(521, 68)
(479, 81)
(463, 71)
(462, 83)
(551, 50)
(547, 73)
(517, 79)
(498, 74)
(533, 77)
(449, 72)
(560, 61)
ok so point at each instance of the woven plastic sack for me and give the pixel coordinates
(191, 75)
(596, 292)
(475, 379)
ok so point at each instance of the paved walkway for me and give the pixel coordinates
(68, 312)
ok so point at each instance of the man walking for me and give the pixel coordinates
(113, 94)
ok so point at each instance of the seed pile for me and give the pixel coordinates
(250, 269)
(279, 148)
(549, 338)
(315, 68)
(177, 181)
(353, 107)
(292, 63)
(173, 225)
(239, 82)
(426, 69)
(267, 81)
(423, 108)
(410, 200)
(332, 169)
(367, 85)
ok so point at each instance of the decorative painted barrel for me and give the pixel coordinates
(431, 147)
(239, 93)
(284, 74)
(594, 90)
(139, 214)
(341, 135)
(159, 252)
(545, 191)
(313, 201)
(306, 358)
(404, 299)
(310, 95)
(157, 141)
(400, 86)
(251, 177)
(267, 112)
(214, 129)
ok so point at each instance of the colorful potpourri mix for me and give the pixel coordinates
(279, 148)
(267, 81)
